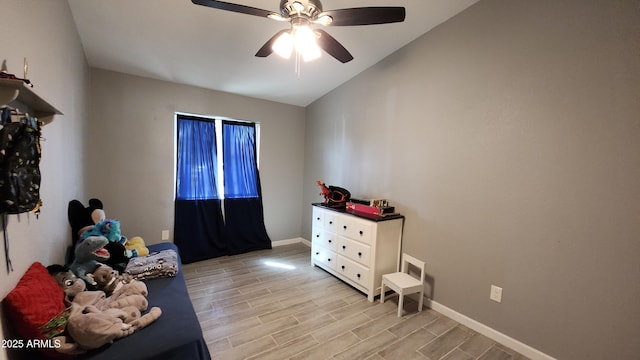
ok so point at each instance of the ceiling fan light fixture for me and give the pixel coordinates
(277, 17)
(305, 43)
(325, 20)
(283, 46)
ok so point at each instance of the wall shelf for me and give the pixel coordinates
(17, 94)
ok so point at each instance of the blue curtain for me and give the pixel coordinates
(243, 211)
(202, 228)
(239, 159)
(198, 226)
(196, 163)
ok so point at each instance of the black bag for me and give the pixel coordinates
(20, 166)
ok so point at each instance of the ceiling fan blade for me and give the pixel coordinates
(243, 9)
(267, 49)
(333, 47)
(366, 15)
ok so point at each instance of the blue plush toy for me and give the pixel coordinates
(88, 252)
(108, 228)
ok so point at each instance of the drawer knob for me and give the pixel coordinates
(317, 253)
(342, 267)
(344, 247)
(359, 254)
(361, 233)
(345, 227)
(317, 235)
(329, 241)
(358, 276)
(330, 222)
(329, 259)
(317, 218)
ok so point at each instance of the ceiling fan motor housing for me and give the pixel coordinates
(310, 8)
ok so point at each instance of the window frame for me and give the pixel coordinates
(218, 120)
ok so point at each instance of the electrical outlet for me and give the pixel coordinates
(496, 293)
(165, 234)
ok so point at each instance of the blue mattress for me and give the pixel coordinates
(175, 335)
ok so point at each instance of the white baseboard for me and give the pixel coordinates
(291, 241)
(492, 334)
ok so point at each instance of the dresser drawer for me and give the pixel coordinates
(325, 239)
(353, 271)
(330, 221)
(354, 250)
(318, 218)
(323, 256)
(355, 229)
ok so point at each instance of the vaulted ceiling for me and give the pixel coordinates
(178, 41)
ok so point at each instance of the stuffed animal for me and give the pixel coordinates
(136, 246)
(91, 221)
(109, 280)
(82, 218)
(134, 293)
(92, 317)
(91, 328)
(70, 283)
(87, 254)
(110, 229)
(96, 320)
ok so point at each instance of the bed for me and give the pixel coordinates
(175, 335)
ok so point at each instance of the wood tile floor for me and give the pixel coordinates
(249, 308)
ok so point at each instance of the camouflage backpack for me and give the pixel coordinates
(19, 170)
(20, 166)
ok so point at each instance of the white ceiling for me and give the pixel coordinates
(178, 41)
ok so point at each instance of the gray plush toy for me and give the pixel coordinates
(88, 252)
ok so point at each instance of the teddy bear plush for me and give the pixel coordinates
(109, 280)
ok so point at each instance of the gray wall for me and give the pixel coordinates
(44, 33)
(509, 136)
(131, 151)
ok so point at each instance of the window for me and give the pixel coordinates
(216, 158)
(218, 205)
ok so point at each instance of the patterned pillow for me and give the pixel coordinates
(35, 300)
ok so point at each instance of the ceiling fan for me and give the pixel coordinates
(302, 14)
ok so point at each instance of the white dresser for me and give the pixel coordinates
(356, 249)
